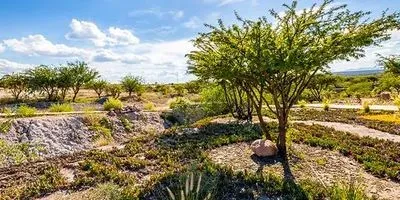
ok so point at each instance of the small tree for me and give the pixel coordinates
(132, 84)
(82, 74)
(282, 57)
(99, 86)
(390, 80)
(15, 83)
(43, 79)
(65, 81)
(114, 90)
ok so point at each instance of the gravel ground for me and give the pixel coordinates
(325, 166)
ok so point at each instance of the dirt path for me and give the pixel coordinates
(325, 166)
(358, 130)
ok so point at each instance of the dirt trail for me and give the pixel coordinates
(324, 166)
(358, 130)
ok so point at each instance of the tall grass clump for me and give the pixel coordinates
(192, 190)
(366, 107)
(113, 104)
(25, 111)
(349, 191)
(61, 108)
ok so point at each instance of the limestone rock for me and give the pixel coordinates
(264, 148)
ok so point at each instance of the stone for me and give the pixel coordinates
(112, 113)
(264, 148)
(385, 96)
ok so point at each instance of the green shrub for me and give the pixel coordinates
(348, 191)
(25, 111)
(397, 102)
(213, 101)
(149, 106)
(5, 126)
(114, 90)
(366, 107)
(61, 108)
(113, 104)
(302, 103)
(179, 102)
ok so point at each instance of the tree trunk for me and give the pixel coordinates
(281, 142)
(263, 125)
(75, 94)
(130, 93)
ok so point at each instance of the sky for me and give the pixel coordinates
(143, 38)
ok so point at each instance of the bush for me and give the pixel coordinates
(149, 106)
(326, 106)
(302, 103)
(213, 101)
(397, 102)
(61, 108)
(26, 111)
(114, 90)
(366, 107)
(113, 104)
(179, 102)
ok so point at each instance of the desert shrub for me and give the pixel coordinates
(114, 90)
(179, 102)
(61, 108)
(127, 124)
(213, 101)
(350, 191)
(149, 106)
(25, 111)
(365, 107)
(184, 112)
(113, 104)
(302, 103)
(5, 126)
(326, 106)
(11, 154)
(180, 90)
(397, 102)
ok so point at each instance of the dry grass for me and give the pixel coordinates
(395, 118)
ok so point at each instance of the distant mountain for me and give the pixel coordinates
(374, 71)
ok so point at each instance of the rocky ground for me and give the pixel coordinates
(324, 166)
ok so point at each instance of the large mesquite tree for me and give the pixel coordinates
(280, 57)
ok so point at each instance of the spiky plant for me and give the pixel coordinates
(190, 191)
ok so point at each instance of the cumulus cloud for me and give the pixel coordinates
(175, 14)
(193, 23)
(2, 48)
(7, 66)
(107, 55)
(38, 45)
(84, 30)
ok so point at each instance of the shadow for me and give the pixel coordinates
(265, 161)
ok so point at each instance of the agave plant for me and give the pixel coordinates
(191, 191)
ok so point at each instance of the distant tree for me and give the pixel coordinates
(390, 80)
(99, 86)
(282, 57)
(15, 83)
(193, 87)
(82, 74)
(43, 79)
(65, 80)
(132, 84)
(114, 90)
(320, 83)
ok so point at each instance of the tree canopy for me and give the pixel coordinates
(281, 56)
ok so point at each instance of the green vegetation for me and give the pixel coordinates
(15, 154)
(149, 106)
(112, 104)
(349, 117)
(132, 84)
(99, 86)
(25, 111)
(244, 56)
(114, 90)
(380, 157)
(15, 83)
(61, 107)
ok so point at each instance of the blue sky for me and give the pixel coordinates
(147, 38)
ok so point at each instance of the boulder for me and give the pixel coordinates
(385, 96)
(264, 148)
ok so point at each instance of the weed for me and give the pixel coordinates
(113, 104)
(25, 111)
(61, 108)
(149, 106)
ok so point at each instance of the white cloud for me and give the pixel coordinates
(84, 30)
(387, 48)
(224, 2)
(175, 14)
(7, 66)
(2, 48)
(193, 23)
(107, 55)
(38, 45)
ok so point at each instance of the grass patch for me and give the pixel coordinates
(394, 118)
(149, 106)
(61, 108)
(113, 104)
(25, 111)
